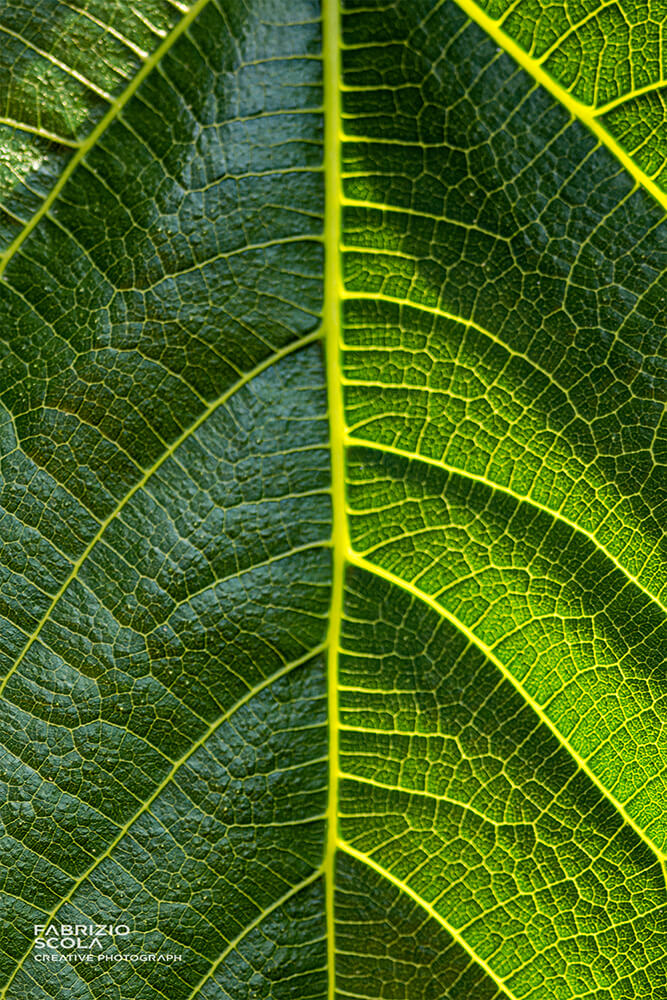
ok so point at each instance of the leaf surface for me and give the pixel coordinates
(332, 441)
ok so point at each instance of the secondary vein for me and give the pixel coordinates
(220, 401)
(384, 574)
(111, 115)
(403, 887)
(145, 807)
(582, 112)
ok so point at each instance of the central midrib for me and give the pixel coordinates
(340, 537)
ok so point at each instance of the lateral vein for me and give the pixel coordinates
(114, 111)
(251, 927)
(220, 401)
(587, 115)
(145, 807)
(520, 497)
(355, 560)
(365, 859)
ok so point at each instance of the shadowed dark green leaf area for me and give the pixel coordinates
(332, 499)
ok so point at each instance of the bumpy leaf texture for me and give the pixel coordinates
(332, 447)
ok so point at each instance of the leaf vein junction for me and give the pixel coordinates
(220, 401)
(369, 567)
(215, 725)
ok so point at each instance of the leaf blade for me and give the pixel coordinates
(493, 422)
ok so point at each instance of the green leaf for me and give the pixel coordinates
(332, 449)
